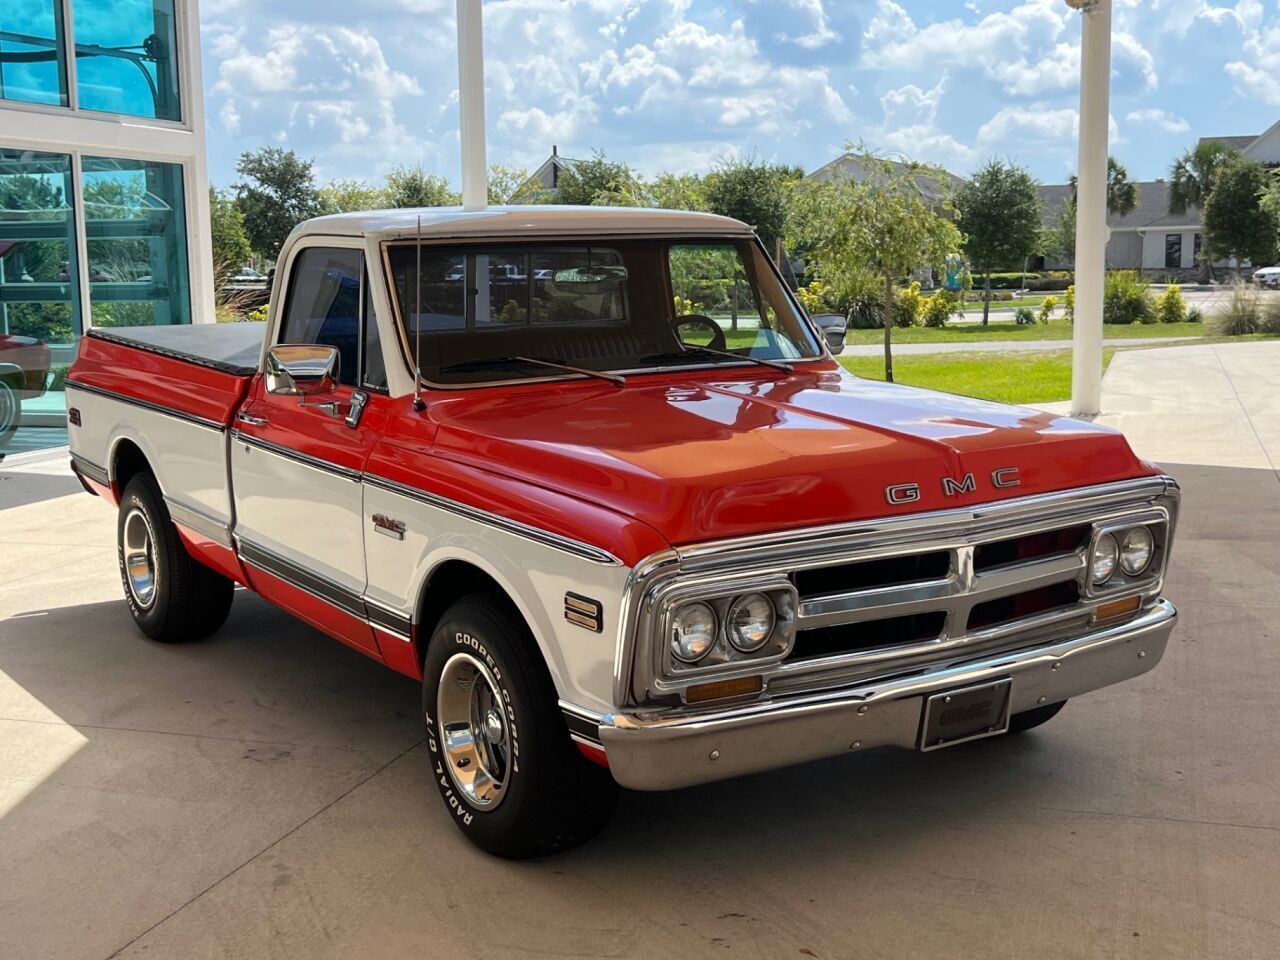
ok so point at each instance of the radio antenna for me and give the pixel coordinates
(418, 404)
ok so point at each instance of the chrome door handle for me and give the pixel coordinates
(252, 421)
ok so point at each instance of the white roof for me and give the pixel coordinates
(528, 221)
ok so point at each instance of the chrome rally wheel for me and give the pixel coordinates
(138, 544)
(473, 731)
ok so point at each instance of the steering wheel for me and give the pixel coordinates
(698, 320)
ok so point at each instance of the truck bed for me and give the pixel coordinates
(229, 347)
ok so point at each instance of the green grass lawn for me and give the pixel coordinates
(1023, 377)
(1057, 329)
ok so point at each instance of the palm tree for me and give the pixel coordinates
(1192, 174)
(1122, 193)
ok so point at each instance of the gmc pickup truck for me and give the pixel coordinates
(627, 521)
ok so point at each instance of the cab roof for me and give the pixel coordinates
(527, 222)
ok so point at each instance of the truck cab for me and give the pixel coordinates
(594, 480)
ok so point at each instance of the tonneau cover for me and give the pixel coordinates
(229, 347)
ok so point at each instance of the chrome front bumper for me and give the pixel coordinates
(664, 754)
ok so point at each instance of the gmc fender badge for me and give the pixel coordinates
(388, 527)
(1002, 479)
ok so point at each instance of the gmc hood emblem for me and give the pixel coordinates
(1002, 479)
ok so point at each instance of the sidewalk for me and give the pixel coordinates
(996, 346)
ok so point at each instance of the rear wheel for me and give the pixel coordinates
(1021, 722)
(509, 775)
(10, 412)
(171, 595)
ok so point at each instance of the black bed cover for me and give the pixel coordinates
(230, 347)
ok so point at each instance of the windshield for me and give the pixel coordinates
(485, 313)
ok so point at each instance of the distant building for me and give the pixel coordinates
(849, 166)
(546, 177)
(1150, 238)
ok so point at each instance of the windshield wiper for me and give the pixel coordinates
(616, 379)
(691, 350)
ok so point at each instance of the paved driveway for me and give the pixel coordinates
(266, 794)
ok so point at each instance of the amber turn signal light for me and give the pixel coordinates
(723, 689)
(1116, 610)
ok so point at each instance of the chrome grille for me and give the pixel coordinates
(887, 597)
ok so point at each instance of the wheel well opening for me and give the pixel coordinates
(449, 582)
(128, 462)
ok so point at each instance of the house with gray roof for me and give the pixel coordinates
(1149, 238)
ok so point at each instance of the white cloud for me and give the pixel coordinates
(821, 34)
(910, 127)
(1257, 76)
(1034, 123)
(1161, 118)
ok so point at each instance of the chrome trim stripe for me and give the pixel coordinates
(545, 537)
(185, 516)
(391, 621)
(583, 725)
(305, 459)
(147, 405)
(291, 573)
(90, 469)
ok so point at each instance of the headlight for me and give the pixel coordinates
(1136, 549)
(1106, 552)
(693, 632)
(750, 622)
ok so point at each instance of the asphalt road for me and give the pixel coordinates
(266, 794)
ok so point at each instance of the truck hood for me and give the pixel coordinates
(707, 456)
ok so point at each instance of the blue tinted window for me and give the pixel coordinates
(136, 70)
(136, 229)
(31, 52)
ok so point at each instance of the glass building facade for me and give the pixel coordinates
(90, 236)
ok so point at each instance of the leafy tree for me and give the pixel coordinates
(1059, 240)
(999, 212)
(883, 224)
(505, 182)
(1270, 201)
(278, 193)
(679, 191)
(754, 192)
(230, 242)
(414, 187)
(345, 196)
(1122, 193)
(598, 182)
(1192, 175)
(1235, 223)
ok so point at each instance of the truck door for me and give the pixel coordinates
(297, 462)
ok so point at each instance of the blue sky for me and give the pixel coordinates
(360, 85)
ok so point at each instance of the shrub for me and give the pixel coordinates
(1050, 283)
(1171, 307)
(1069, 303)
(1125, 299)
(1195, 315)
(817, 297)
(1008, 281)
(938, 308)
(906, 312)
(1242, 316)
(1024, 315)
(1046, 308)
(1271, 315)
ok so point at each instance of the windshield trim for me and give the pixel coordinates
(406, 352)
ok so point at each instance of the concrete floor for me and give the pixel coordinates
(265, 793)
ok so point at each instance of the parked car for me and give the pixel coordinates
(24, 373)
(615, 545)
(246, 275)
(1267, 277)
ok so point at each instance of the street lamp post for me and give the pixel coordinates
(1091, 206)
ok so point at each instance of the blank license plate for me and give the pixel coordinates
(970, 713)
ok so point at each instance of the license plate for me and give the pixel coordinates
(970, 713)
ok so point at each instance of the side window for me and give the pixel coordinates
(375, 366)
(323, 305)
(710, 280)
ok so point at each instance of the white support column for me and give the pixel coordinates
(1091, 207)
(475, 186)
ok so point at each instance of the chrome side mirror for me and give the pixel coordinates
(302, 370)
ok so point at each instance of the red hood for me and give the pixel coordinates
(709, 456)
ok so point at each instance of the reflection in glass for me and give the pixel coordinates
(39, 297)
(32, 52)
(137, 241)
(126, 57)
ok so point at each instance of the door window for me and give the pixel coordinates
(323, 306)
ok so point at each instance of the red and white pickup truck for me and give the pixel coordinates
(593, 478)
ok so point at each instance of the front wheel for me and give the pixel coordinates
(501, 756)
(171, 595)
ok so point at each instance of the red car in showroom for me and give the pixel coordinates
(24, 372)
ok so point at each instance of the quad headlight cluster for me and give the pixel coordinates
(1130, 550)
(741, 628)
